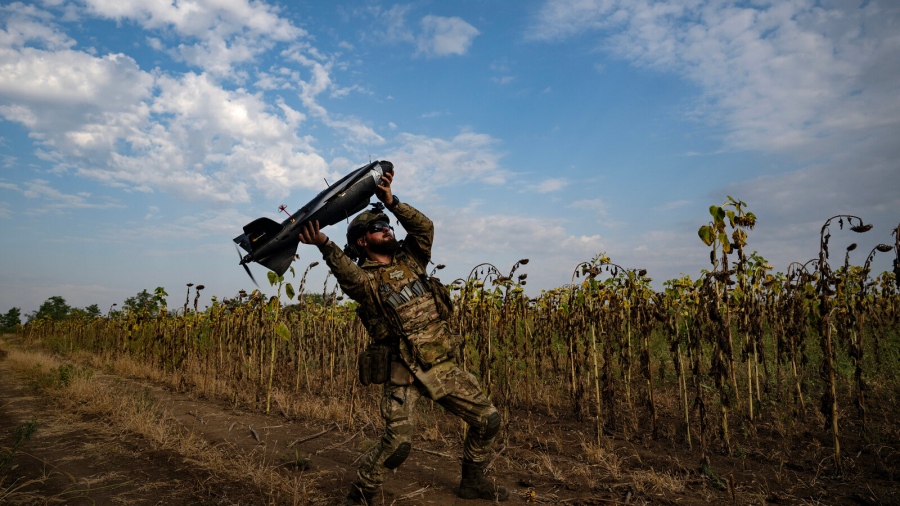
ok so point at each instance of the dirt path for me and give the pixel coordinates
(78, 458)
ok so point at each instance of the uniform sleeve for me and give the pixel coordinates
(419, 231)
(352, 279)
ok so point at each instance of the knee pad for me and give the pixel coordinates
(399, 455)
(492, 427)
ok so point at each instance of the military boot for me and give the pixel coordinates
(359, 496)
(475, 485)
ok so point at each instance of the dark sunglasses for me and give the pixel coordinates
(378, 226)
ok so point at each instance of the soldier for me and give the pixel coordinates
(405, 313)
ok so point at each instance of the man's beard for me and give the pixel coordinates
(386, 247)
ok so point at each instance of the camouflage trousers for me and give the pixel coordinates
(464, 398)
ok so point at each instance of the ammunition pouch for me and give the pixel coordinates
(375, 364)
(415, 289)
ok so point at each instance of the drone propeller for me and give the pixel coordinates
(244, 262)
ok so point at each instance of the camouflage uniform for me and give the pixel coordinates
(398, 309)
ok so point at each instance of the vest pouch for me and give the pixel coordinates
(425, 331)
(431, 346)
(375, 364)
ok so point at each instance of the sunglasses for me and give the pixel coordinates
(378, 226)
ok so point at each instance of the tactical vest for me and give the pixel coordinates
(413, 313)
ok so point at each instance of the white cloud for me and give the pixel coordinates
(392, 23)
(74, 81)
(436, 35)
(319, 82)
(186, 135)
(105, 118)
(197, 18)
(552, 184)
(443, 36)
(228, 33)
(428, 163)
(781, 75)
(26, 24)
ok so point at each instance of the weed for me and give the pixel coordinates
(22, 434)
(714, 480)
(58, 377)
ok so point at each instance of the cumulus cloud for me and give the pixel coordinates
(226, 33)
(105, 118)
(27, 24)
(198, 17)
(73, 93)
(442, 36)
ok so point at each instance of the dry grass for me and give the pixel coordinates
(656, 483)
(309, 406)
(603, 457)
(135, 411)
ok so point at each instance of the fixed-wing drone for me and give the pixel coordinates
(274, 245)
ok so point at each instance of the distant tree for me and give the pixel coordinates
(54, 308)
(89, 312)
(93, 311)
(144, 300)
(9, 320)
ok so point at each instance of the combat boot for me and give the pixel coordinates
(359, 496)
(474, 485)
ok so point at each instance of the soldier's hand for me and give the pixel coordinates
(310, 234)
(383, 191)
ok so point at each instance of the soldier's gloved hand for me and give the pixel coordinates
(383, 191)
(310, 234)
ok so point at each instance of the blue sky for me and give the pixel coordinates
(137, 137)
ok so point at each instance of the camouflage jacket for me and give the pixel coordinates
(396, 302)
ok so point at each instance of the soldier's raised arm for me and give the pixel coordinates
(350, 277)
(419, 229)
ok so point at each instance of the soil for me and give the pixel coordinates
(75, 458)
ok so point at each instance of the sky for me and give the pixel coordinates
(137, 137)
